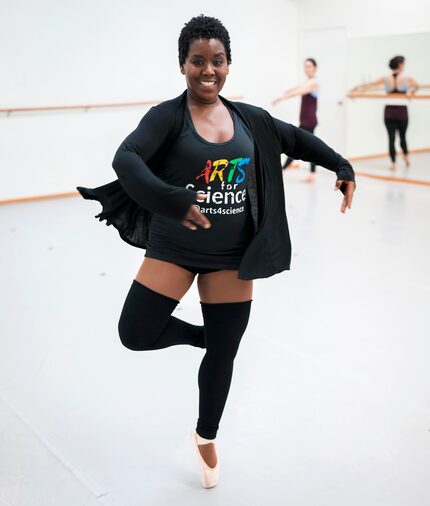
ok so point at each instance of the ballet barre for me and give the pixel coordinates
(86, 107)
(395, 96)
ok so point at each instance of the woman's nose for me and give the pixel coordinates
(208, 70)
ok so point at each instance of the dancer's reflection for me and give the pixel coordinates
(395, 115)
(308, 109)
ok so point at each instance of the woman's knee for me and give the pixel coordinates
(133, 334)
(225, 324)
(143, 317)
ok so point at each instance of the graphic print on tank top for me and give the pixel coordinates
(220, 170)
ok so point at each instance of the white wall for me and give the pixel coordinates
(97, 51)
(371, 24)
(367, 17)
(105, 51)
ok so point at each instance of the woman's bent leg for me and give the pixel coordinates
(146, 322)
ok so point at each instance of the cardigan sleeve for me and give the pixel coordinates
(302, 145)
(136, 177)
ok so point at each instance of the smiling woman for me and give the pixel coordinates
(205, 67)
(201, 147)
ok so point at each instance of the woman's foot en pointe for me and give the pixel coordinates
(208, 460)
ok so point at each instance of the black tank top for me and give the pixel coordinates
(220, 170)
(395, 112)
(308, 110)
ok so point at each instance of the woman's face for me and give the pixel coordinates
(205, 69)
(309, 68)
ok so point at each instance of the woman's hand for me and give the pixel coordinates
(348, 191)
(194, 216)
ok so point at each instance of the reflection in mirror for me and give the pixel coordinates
(389, 106)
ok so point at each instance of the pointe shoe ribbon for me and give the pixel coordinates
(209, 475)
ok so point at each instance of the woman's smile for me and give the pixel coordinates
(205, 69)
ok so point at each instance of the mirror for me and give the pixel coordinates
(368, 124)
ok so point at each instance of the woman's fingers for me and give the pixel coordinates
(188, 224)
(349, 192)
(195, 217)
(338, 184)
(344, 204)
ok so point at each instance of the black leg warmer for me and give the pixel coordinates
(146, 322)
(224, 325)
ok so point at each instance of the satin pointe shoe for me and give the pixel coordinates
(209, 475)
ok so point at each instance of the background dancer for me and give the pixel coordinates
(308, 108)
(396, 116)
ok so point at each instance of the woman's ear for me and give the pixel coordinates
(182, 70)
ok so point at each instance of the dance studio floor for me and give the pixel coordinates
(329, 404)
(419, 169)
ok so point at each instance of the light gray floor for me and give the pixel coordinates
(330, 400)
(418, 170)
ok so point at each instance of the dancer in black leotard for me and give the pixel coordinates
(200, 188)
(308, 107)
(395, 116)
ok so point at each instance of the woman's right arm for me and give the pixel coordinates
(138, 180)
(298, 91)
(413, 85)
(302, 145)
(367, 86)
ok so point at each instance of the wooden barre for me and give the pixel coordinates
(86, 107)
(403, 96)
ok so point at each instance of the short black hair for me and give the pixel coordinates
(202, 27)
(314, 63)
(395, 62)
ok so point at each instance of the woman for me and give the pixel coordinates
(395, 115)
(200, 147)
(308, 108)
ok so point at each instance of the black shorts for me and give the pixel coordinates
(198, 270)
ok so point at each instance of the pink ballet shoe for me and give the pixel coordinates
(209, 475)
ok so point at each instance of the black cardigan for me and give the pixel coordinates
(139, 191)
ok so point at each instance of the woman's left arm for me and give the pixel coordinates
(302, 145)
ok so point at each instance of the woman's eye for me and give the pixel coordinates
(219, 62)
(197, 62)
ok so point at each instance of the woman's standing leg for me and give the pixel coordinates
(403, 125)
(391, 129)
(311, 178)
(226, 305)
(288, 162)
